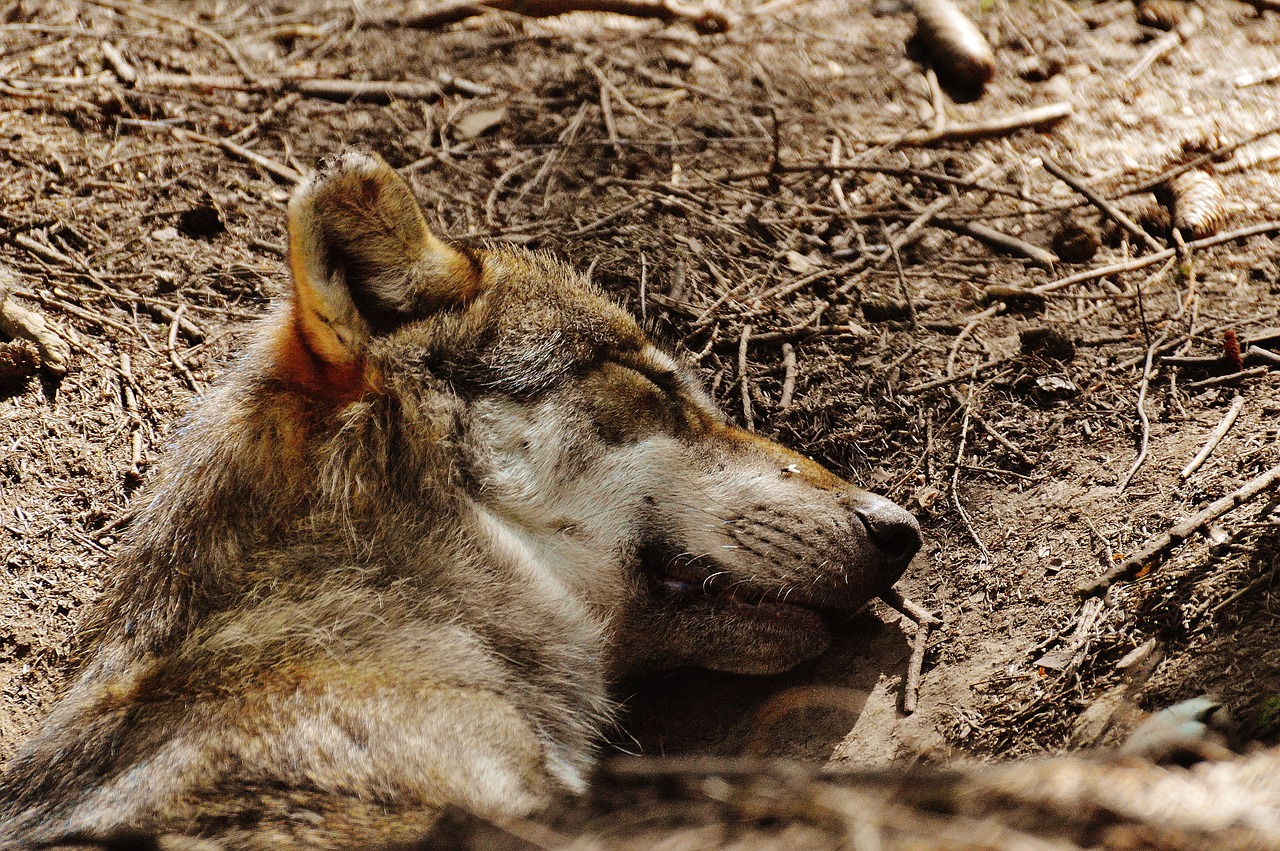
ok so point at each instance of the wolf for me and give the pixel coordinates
(448, 497)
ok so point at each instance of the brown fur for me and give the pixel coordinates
(394, 562)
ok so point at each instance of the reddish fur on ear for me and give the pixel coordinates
(300, 366)
(309, 356)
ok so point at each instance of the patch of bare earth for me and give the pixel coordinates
(758, 197)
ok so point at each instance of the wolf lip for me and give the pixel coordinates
(685, 580)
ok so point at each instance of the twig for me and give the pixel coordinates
(925, 621)
(1165, 541)
(52, 254)
(1197, 162)
(1232, 378)
(1142, 416)
(969, 328)
(789, 379)
(267, 164)
(1255, 355)
(17, 322)
(135, 10)
(1040, 115)
(644, 281)
(1000, 241)
(910, 608)
(911, 688)
(703, 20)
(1152, 259)
(1256, 78)
(1191, 23)
(1214, 439)
(134, 473)
(1110, 210)
(173, 352)
(126, 72)
(747, 419)
(972, 372)
(955, 481)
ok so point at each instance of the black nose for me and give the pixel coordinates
(892, 529)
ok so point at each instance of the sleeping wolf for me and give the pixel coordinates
(395, 562)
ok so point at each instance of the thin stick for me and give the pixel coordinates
(1000, 241)
(971, 372)
(1192, 22)
(1165, 541)
(126, 72)
(1255, 78)
(925, 621)
(902, 286)
(1110, 210)
(1217, 153)
(747, 419)
(911, 689)
(1152, 259)
(955, 481)
(644, 281)
(969, 328)
(134, 473)
(48, 252)
(789, 380)
(267, 164)
(1038, 116)
(335, 89)
(138, 9)
(703, 20)
(910, 608)
(1232, 378)
(1214, 439)
(1142, 416)
(173, 352)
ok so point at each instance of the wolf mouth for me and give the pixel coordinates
(685, 579)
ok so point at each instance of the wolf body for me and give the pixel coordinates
(396, 560)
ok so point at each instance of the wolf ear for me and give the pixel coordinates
(363, 262)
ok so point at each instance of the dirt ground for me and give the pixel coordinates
(693, 176)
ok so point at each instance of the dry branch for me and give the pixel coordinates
(703, 20)
(143, 10)
(925, 621)
(1110, 210)
(326, 88)
(1230, 378)
(1192, 22)
(1152, 259)
(126, 72)
(1037, 117)
(335, 89)
(267, 164)
(1215, 438)
(1162, 543)
(53, 255)
(19, 323)
(1202, 160)
(1000, 241)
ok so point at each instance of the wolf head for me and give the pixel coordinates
(569, 442)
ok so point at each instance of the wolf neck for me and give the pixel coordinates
(571, 673)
